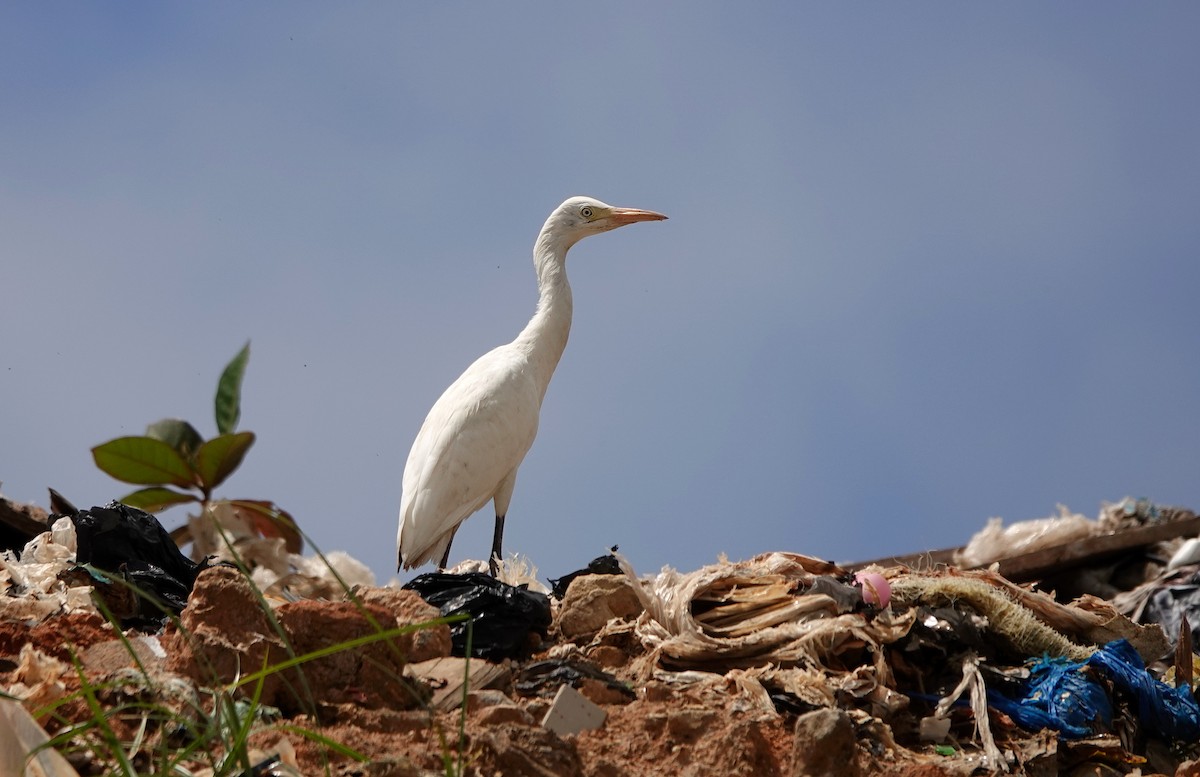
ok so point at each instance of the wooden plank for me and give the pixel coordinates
(1039, 563)
(1036, 564)
(19, 523)
(19, 735)
(446, 676)
(924, 560)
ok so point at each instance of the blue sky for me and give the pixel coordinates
(926, 263)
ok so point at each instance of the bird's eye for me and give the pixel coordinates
(586, 212)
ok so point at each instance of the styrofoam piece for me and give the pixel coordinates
(572, 712)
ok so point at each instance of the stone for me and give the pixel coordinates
(825, 745)
(594, 600)
(608, 657)
(369, 675)
(224, 633)
(505, 713)
(409, 609)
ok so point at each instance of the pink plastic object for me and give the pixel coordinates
(875, 588)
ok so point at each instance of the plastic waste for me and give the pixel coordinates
(1179, 595)
(996, 541)
(601, 565)
(1161, 708)
(504, 616)
(875, 588)
(132, 545)
(542, 678)
(1067, 696)
(1059, 694)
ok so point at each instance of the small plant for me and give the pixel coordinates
(175, 465)
(137, 721)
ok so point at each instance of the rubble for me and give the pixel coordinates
(781, 664)
(591, 601)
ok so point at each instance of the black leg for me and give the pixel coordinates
(497, 538)
(446, 556)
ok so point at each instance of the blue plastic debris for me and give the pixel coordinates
(1065, 696)
(1172, 712)
(1062, 695)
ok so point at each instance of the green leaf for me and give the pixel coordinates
(177, 433)
(155, 499)
(143, 461)
(229, 391)
(220, 456)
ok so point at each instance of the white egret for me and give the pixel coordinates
(476, 435)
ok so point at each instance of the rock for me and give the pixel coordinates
(370, 675)
(224, 633)
(608, 657)
(482, 699)
(515, 750)
(824, 745)
(592, 601)
(603, 693)
(690, 723)
(505, 713)
(107, 657)
(656, 691)
(409, 609)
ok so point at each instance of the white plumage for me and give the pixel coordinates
(478, 432)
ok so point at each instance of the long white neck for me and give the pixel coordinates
(544, 338)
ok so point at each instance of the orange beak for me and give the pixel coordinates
(623, 216)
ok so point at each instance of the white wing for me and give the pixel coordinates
(474, 437)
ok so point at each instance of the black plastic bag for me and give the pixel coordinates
(504, 616)
(1175, 597)
(542, 678)
(133, 546)
(601, 565)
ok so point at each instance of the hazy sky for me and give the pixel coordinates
(925, 263)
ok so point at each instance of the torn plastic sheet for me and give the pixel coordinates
(995, 541)
(515, 569)
(313, 577)
(31, 588)
(504, 616)
(1176, 596)
(35, 569)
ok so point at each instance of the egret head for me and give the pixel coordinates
(579, 217)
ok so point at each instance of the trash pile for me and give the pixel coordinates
(974, 660)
